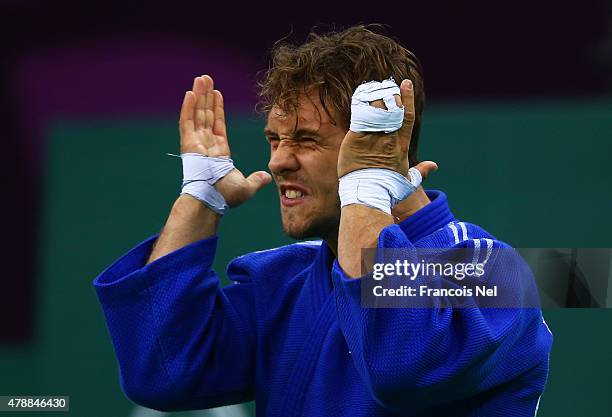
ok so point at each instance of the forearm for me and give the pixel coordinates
(189, 221)
(167, 360)
(360, 227)
(444, 352)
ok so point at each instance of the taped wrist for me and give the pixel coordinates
(367, 118)
(200, 173)
(378, 188)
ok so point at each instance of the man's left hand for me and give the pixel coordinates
(383, 150)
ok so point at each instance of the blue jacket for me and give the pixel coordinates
(290, 333)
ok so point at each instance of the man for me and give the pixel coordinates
(291, 332)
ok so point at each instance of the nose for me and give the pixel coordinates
(283, 159)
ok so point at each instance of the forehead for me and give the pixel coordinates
(309, 115)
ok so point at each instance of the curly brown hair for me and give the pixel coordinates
(336, 63)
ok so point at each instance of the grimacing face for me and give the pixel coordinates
(303, 163)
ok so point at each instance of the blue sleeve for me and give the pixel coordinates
(420, 358)
(181, 340)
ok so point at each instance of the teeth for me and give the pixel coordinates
(293, 193)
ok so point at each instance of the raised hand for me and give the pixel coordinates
(383, 150)
(202, 120)
(202, 130)
(360, 225)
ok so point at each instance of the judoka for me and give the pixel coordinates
(344, 113)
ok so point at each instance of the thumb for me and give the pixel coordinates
(236, 189)
(426, 168)
(257, 180)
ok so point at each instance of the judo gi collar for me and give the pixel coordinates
(430, 218)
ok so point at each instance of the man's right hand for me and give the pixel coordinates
(202, 130)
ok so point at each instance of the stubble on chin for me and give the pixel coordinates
(317, 228)
(291, 229)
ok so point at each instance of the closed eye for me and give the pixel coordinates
(273, 141)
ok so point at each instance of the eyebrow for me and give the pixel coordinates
(300, 133)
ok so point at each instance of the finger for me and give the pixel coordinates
(201, 87)
(219, 127)
(407, 93)
(257, 180)
(426, 168)
(209, 85)
(186, 115)
(208, 82)
(237, 189)
(209, 112)
(398, 100)
(199, 90)
(379, 104)
(204, 84)
(198, 86)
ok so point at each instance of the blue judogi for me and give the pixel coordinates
(290, 333)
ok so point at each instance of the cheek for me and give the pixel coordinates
(327, 182)
(326, 163)
(328, 198)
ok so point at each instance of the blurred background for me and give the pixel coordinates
(518, 116)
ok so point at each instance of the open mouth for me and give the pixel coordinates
(292, 194)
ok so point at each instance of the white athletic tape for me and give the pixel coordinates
(200, 173)
(198, 167)
(367, 118)
(377, 188)
(415, 177)
(207, 194)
